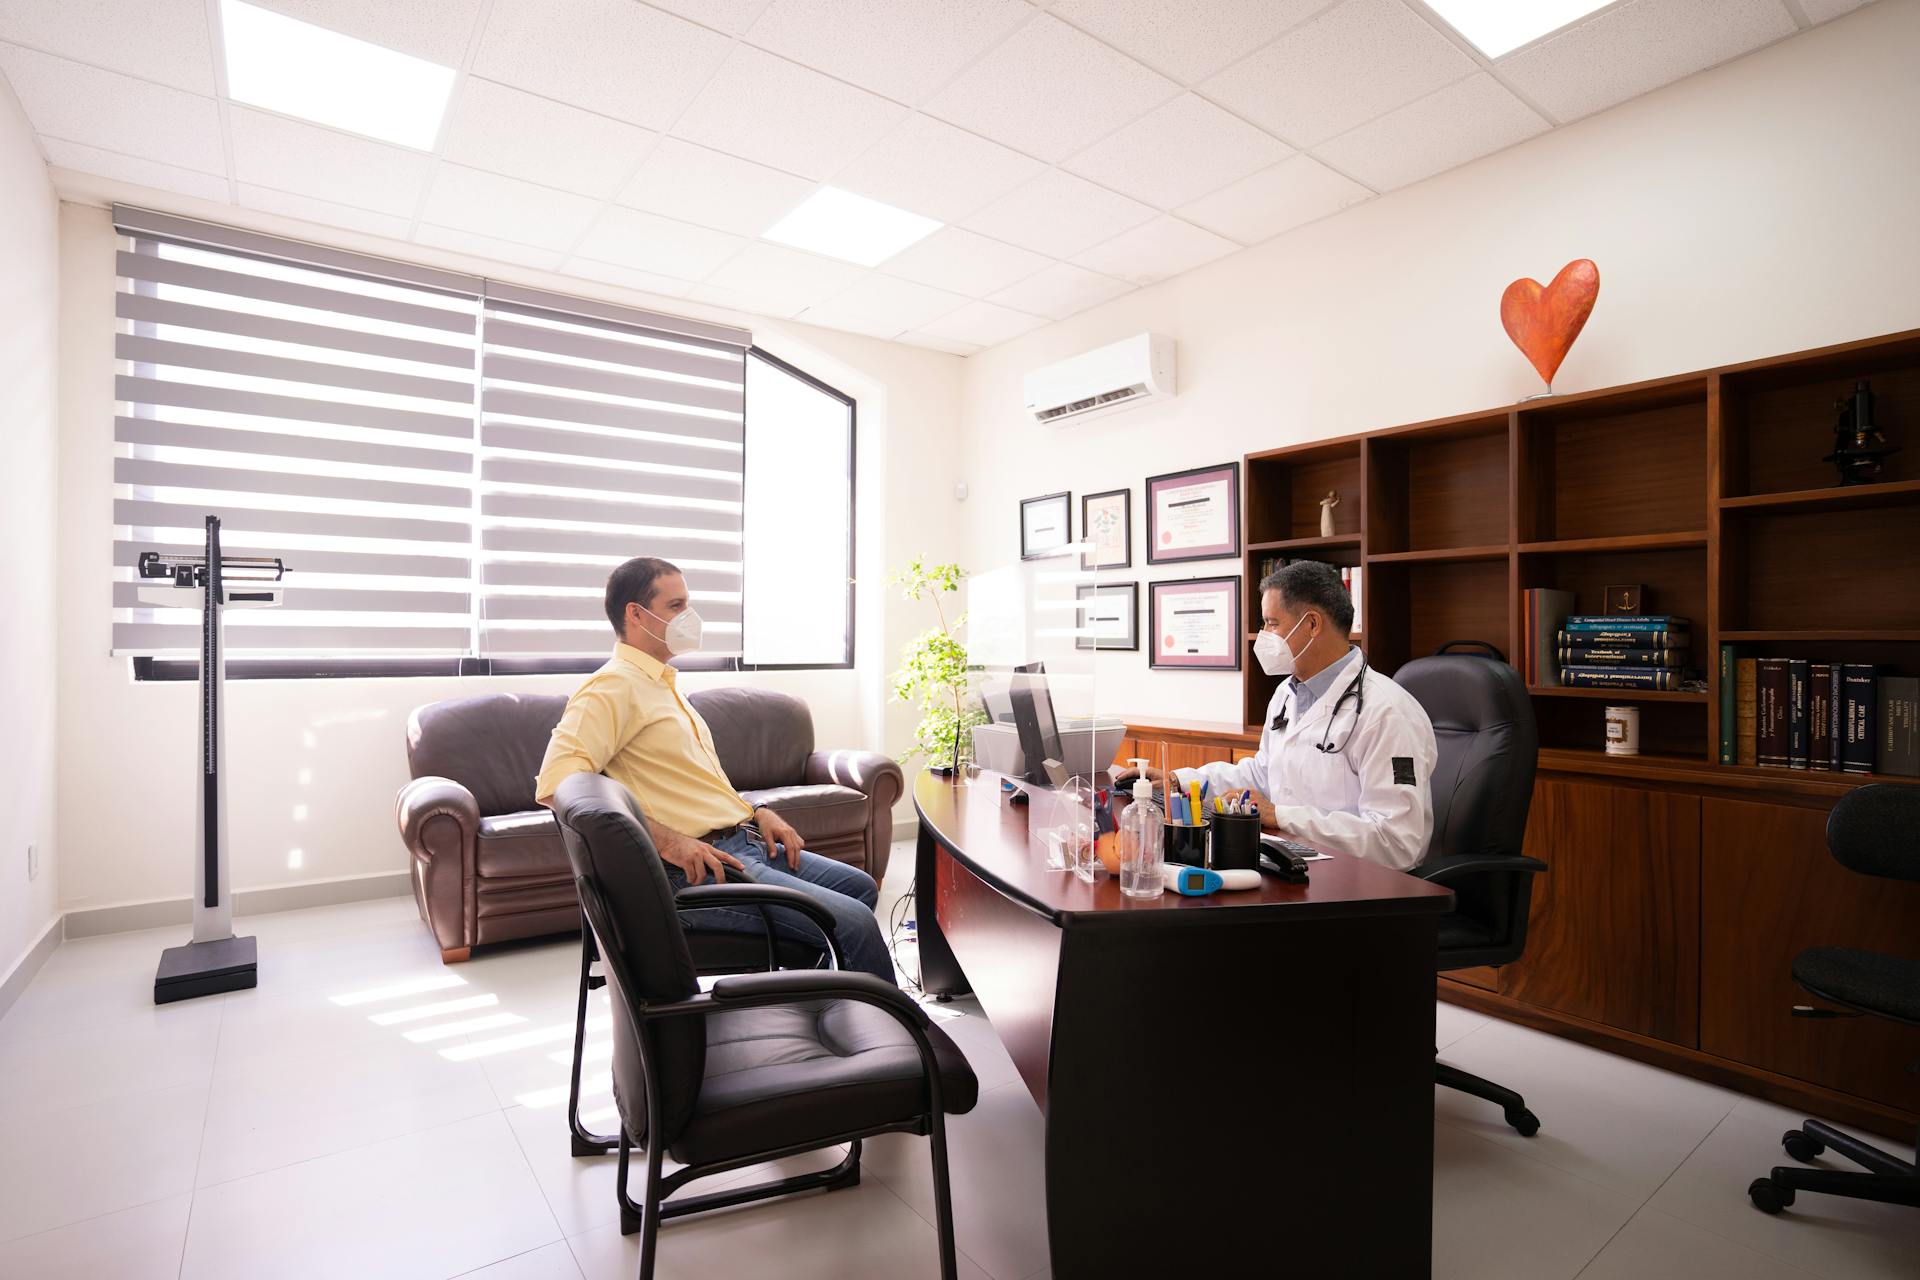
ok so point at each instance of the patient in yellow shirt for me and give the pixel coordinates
(629, 722)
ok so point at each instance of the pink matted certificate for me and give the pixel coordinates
(1196, 624)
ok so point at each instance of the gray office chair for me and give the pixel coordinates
(763, 1066)
(1872, 831)
(1482, 789)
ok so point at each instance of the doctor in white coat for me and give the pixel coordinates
(1346, 756)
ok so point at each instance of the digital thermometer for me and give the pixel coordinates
(1194, 882)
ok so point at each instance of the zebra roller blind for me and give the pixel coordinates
(449, 466)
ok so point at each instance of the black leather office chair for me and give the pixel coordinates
(1482, 789)
(763, 1066)
(1875, 831)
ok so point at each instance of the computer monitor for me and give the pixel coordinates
(1033, 719)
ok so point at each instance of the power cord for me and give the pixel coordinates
(897, 925)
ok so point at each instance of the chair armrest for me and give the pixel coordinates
(1452, 869)
(874, 775)
(739, 895)
(424, 799)
(818, 984)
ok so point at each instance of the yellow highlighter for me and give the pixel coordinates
(1193, 792)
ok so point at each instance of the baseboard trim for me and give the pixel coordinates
(29, 964)
(905, 829)
(126, 917)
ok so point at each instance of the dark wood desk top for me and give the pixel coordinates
(990, 836)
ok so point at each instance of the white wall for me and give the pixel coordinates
(1764, 207)
(29, 303)
(314, 764)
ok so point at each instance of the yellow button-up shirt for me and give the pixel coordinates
(629, 722)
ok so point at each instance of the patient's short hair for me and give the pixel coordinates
(633, 583)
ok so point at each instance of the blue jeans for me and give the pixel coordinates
(848, 892)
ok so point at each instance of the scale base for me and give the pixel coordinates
(205, 969)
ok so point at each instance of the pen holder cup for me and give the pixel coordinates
(1186, 842)
(1235, 842)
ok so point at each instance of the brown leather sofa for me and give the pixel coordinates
(488, 863)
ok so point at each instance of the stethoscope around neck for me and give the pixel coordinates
(1356, 689)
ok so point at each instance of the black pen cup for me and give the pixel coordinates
(1186, 842)
(1234, 843)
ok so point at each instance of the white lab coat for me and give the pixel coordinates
(1355, 800)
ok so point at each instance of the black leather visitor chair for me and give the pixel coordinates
(1482, 789)
(1875, 831)
(763, 1066)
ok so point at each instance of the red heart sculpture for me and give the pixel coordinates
(1544, 322)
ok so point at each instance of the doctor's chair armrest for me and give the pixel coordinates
(427, 807)
(820, 984)
(1450, 870)
(739, 896)
(875, 775)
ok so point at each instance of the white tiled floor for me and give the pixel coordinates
(368, 1112)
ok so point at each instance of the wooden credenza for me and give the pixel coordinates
(1666, 928)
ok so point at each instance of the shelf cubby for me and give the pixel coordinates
(1780, 415)
(1633, 463)
(1794, 568)
(1674, 727)
(1284, 489)
(1439, 488)
(1414, 607)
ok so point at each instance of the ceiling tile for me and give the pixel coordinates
(1293, 192)
(696, 184)
(901, 48)
(649, 242)
(781, 304)
(965, 263)
(1626, 51)
(164, 40)
(627, 277)
(487, 204)
(1461, 122)
(1357, 61)
(779, 113)
(271, 151)
(324, 213)
(437, 30)
(523, 136)
(1059, 215)
(616, 57)
(487, 247)
(1060, 291)
(786, 279)
(1819, 11)
(145, 173)
(882, 306)
(116, 113)
(1177, 152)
(937, 170)
(932, 343)
(1185, 40)
(1164, 247)
(1050, 90)
(722, 15)
(982, 323)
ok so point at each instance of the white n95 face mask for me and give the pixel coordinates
(683, 633)
(1273, 653)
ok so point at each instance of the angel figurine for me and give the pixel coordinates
(1327, 504)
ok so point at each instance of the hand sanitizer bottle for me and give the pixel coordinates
(1141, 851)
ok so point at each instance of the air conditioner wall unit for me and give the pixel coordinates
(1118, 376)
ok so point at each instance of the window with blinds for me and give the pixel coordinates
(450, 466)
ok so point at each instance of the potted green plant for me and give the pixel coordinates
(933, 670)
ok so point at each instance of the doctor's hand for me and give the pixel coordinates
(1269, 821)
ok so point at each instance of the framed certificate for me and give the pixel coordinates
(1194, 624)
(1109, 616)
(1106, 526)
(1194, 515)
(1046, 525)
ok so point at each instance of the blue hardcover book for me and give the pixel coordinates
(1799, 732)
(1638, 626)
(1856, 716)
(1620, 677)
(1623, 619)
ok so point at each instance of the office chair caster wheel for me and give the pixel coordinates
(1801, 1146)
(1524, 1122)
(1767, 1197)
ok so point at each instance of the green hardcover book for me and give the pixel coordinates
(1728, 683)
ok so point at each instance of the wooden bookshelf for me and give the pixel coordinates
(1680, 887)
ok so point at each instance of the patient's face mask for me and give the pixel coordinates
(683, 631)
(1273, 652)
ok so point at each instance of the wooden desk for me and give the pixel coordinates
(1260, 1061)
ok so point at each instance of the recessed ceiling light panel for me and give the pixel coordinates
(1501, 26)
(840, 224)
(298, 69)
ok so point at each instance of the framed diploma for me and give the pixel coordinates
(1106, 526)
(1109, 616)
(1194, 624)
(1046, 525)
(1194, 515)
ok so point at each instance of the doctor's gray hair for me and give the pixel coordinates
(1309, 584)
